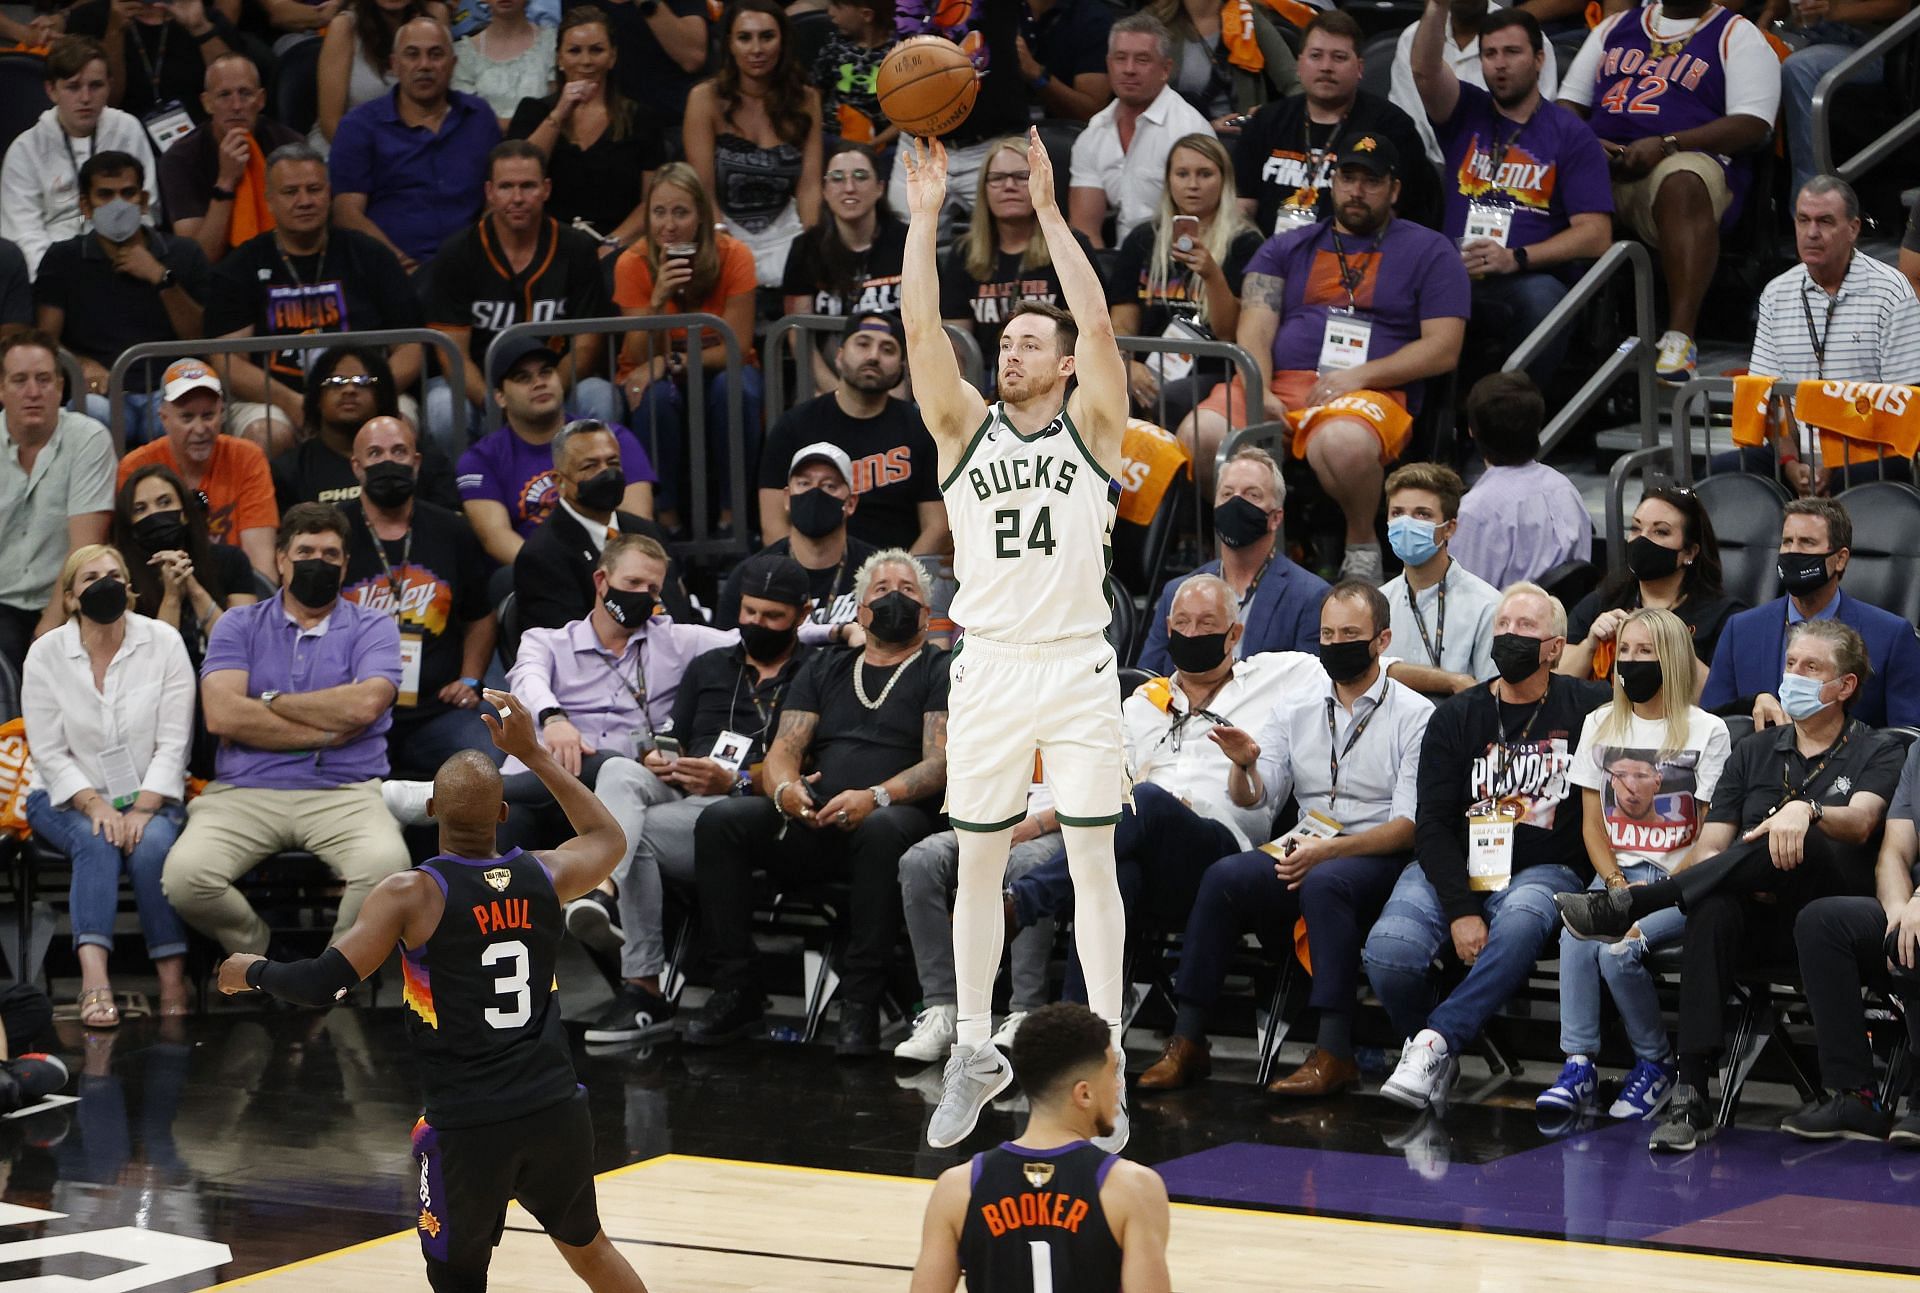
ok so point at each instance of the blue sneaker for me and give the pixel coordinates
(1647, 1089)
(1573, 1090)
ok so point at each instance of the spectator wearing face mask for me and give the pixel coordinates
(818, 507)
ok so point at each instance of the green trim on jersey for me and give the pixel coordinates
(1085, 452)
(1112, 819)
(965, 455)
(987, 828)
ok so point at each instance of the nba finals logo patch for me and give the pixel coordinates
(499, 877)
(1037, 1174)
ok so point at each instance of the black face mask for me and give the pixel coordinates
(1648, 560)
(1346, 661)
(630, 609)
(896, 618)
(1196, 652)
(161, 531)
(764, 643)
(389, 484)
(104, 600)
(315, 583)
(1803, 572)
(603, 492)
(1641, 680)
(1516, 657)
(816, 513)
(1239, 522)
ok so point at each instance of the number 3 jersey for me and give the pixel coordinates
(481, 1009)
(1032, 532)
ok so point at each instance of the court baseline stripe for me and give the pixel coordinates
(732, 1252)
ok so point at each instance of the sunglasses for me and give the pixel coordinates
(1009, 177)
(341, 380)
(859, 175)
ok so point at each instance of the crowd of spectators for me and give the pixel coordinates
(254, 601)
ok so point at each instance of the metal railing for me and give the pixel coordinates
(1635, 353)
(1702, 391)
(779, 349)
(694, 507)
(1848, 69)
(453, 362)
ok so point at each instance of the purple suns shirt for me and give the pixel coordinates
(504, 469)
(1548, 169)
(263, 642)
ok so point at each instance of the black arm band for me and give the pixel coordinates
(320, 981)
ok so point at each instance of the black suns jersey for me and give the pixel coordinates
(1035, 1225)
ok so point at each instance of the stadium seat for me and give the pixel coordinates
(507, 640)
(1131, 678)
(297, 86)
(1140, 551)
(1125, 625)
(1739, 727)
(1571, 580)
(1376, 77)
(1747, 512)
(23, 94)
(1885, 566)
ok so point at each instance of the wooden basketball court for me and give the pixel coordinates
(720, 1226)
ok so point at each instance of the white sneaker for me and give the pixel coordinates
(407, 801)
(1424, 1074)
(1004, 1037)
(1677, 357)
(933, 1032)
(972, 1078)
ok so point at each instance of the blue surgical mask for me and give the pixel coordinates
(1800, 696)
(1412, 539)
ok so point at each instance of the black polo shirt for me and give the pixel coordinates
(719, 693)
(855, 747)
(1767, 767)
(354, 284)
(475, 286)
(895, 467)
(107, 311)
(189, 169)
(310, 472)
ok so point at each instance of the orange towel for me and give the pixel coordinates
(1236, 30)
(1292, 11)
(1859, 422)
(251, 216)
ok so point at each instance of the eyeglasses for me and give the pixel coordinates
(1009, 177)
(859, 175)
(355, 380)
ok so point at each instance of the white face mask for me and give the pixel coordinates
(117, 221)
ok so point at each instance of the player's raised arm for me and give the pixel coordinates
(951, 408)
(599, 845)
(1100, 402)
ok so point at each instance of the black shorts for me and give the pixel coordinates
(468, 1175)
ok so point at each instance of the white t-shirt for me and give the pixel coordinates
(1753, 70)
(1654, 809)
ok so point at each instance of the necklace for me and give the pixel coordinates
(1659, 49)
(860, 687)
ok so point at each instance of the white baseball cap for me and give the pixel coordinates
(185, 375)
(826, 449)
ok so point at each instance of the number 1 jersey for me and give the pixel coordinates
(482, 1014)
(1032, 533)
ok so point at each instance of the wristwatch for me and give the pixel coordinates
(1819, 810)
(880, 796)
(221, 195)
(167, 279)
(1669, 145)
(550, 713)
(268, 697)
(1520, 259)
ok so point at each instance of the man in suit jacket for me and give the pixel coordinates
(553, 573)
(1279, 600)
(1815, 546)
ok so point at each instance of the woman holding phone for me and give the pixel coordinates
(1181, 276)
(684, 266)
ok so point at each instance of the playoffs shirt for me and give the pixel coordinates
(1653, 806)
(894, 464)
(1546, 169)
(433, 584)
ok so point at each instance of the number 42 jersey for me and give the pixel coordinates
(482, 1014)
(1032, 533)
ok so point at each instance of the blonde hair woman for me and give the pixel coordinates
(1648, 765)
(109, 701)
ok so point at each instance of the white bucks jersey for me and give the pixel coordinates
(1032, 524)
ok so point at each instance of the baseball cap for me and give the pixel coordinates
(876, 321)
(185, 375)
(1374, 154)
(777, 578)
(509, 353)
(828, 451)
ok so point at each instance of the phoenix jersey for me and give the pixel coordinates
(1648, 86)
(481, 1010)
(1032, 533)
(1035, 1225)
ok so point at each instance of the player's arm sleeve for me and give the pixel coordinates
(318, 981)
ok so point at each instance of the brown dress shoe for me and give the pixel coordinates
(1323, 1074)
(1182, 1063)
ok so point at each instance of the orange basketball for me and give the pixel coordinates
(926, 85)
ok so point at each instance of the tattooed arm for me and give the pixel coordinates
(929, 776)
(1262, 298)
(787, 757)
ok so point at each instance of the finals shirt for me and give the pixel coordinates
(990, 302)
(1547, 169)
(875, 285)
(1653, 807)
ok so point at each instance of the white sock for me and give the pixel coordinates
(1576, 1059)
(1099, 921)
(978, 930)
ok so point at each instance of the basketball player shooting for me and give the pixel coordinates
(477, 931)
(1028, 483)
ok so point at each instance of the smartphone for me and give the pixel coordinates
(668, 746)
(1186, 229)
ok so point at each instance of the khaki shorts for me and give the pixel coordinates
(1633, 199)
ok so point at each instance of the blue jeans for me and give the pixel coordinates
(95, 893)
(1413, 931)
(660, 422)
(1584, 964)
(1508, 307)
(416, 747)
(1799, 76)
(142, 416)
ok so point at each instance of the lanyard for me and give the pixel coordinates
(1505, 745)
(1318, 156)
(1351, 277)
(1176, 730)
(93, 146)
(393, 576)
(1497, 155)
(638, 687)
(1253, 585)
(319, 261)
(154, 64)
(1436, 645)
(766, 713)
(1334, 756)
(1819, 340)
(1794, 792)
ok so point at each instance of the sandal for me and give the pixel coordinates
(97, 1009)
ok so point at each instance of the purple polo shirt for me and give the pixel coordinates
(569, 669)
(263, 642)
(421, 185)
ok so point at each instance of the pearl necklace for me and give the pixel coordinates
(860, 687)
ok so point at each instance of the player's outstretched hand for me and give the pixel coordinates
(233, 972)
(1039, 172)
(926, 161)
(513, 730)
